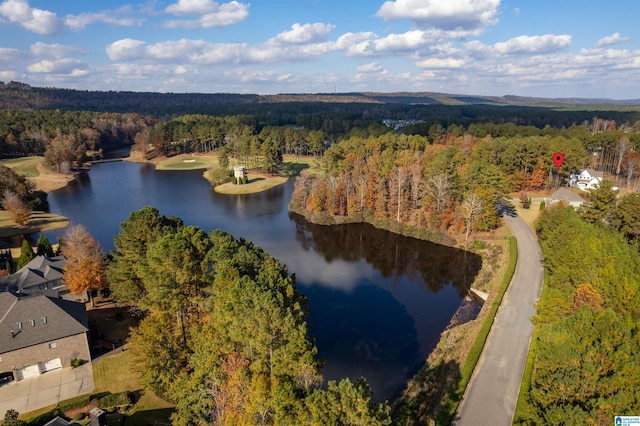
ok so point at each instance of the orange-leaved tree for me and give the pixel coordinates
(85, 267)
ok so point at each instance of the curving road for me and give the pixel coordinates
(492, 393)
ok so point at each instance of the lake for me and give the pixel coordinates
(378, 301)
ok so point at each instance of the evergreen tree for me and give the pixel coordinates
(44, 247)
(26, 254)
(602, 201)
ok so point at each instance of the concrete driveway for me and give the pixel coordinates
(46, 389)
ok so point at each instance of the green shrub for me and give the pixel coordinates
(245, 179)
(543, 205)
(76, 363)
(77, 417)
(234, 180)
(115, 400)
(73, 403)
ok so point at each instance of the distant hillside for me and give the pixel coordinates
(20, 96)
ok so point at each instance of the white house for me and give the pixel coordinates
(586, 179)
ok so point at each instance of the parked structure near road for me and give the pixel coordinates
(40, 333)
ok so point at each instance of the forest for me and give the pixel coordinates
(585, 358)
(450, 180)
(224, 333)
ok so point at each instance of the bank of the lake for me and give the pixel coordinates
(349, 273)
(432, 394)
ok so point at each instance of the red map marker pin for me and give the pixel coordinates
(558, 158)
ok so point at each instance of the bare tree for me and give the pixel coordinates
(623, 146)
(439, 189)
(17, 208)
(471, 207)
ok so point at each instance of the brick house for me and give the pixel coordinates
(39, 333)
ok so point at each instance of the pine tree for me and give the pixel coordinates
(44, 247)
(26, 254)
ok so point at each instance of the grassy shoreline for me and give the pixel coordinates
(38, 222)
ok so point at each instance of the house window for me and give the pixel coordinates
(44, 320)
(52, 345)
(19, 325)
(32, 323)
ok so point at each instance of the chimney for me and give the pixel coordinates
(98, 417)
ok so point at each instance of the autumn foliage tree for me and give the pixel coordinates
(17, 208)
(85, 267)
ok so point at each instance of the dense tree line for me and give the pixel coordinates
(450, 185)
(586, 363)
(224, 334)
(64, 134)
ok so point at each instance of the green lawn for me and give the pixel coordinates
(115, 374)
(188, 162)
(26, 166)
(38, 222)
(256, 184)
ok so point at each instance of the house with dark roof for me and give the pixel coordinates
(39, 333)
(42, 275)
(567, 197)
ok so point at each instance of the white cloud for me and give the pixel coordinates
(211, 13)
(9, 55)
(610, 40)
(126, 49)
(306, 33)
(46, 50)
(58, 66)
(192, 7)
(7, 75)
(449, 14)
(35, 20)
(122, 17)
(373, 67)
(441, 63)
(547, 43)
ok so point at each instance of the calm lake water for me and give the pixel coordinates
(378, 301)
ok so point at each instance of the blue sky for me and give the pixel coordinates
(545, 48)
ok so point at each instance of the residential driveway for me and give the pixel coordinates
(46, 389)
(492, 393)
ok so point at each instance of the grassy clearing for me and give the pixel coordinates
(38, 222)
(188, 162)
(529, 215)
(114, 374)
(292, 165)
(26, 166)
(256, 184)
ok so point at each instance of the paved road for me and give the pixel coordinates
(492, 393)
(47, 389)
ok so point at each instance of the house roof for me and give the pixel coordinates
(39, 270)
(594, 174)
(51, 318)
(565, 194)
(58, 421)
